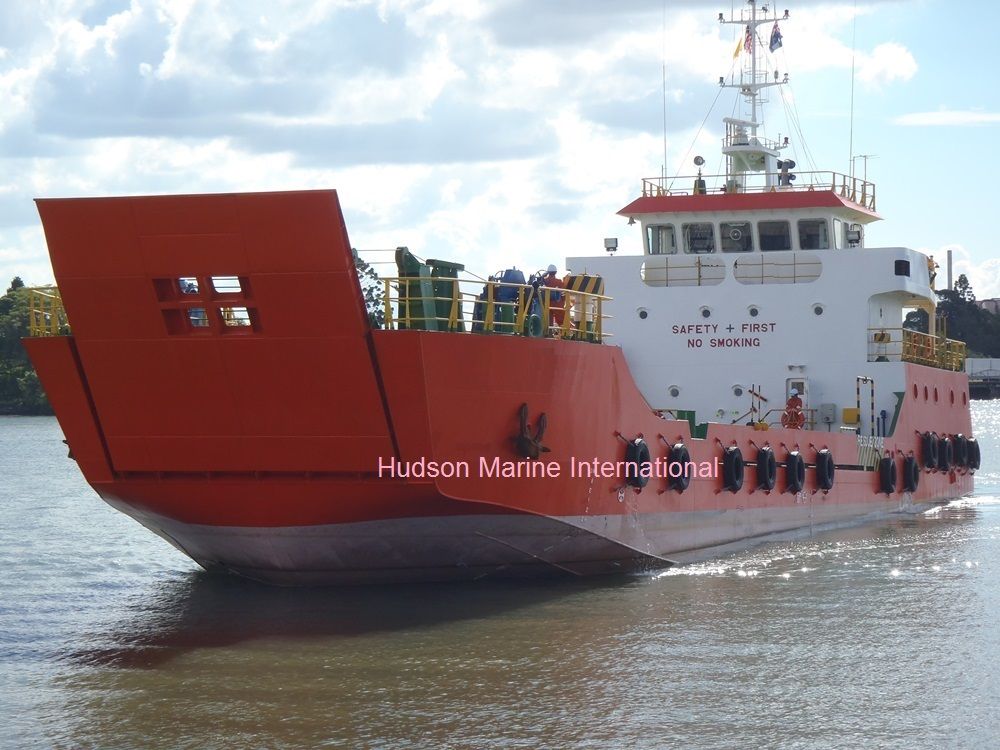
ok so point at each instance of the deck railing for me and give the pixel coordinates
(904, 345)
(850, 188)
(462, 305)
(46, 314)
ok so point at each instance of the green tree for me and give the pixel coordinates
(20, 391)
(371, 289)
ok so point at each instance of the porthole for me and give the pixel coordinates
(951, 397)
(643, 313)
(935, 394)
(964, 400)
(817, 309)
(925, 393)
(754, 311)
(737, 390)
(674, 391)
(706, 312)
(915, 392)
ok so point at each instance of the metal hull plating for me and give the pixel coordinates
(262, 449)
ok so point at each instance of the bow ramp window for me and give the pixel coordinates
(207, 305)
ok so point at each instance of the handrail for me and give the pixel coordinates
(904, 345)
(492, 307)
(46, 314)
(850, 188)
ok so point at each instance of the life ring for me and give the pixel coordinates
(961, 450)
(911, 474)
(795, 472)
(887, 476)
(793, 419)
(825, 469)
(929, 450)
(679, 456)
(637, 457)
(732, 469)
(767, 469)
(735, 234)
(974, 455)
(946, 454)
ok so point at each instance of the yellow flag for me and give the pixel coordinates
(739, 46)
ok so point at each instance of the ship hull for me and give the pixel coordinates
(277, 450)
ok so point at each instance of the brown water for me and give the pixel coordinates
(881, 636)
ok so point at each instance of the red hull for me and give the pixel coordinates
(259, 449)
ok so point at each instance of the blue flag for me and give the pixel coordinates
(775, 37)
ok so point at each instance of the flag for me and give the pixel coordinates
(739, 48)
(748, 41)
(775, 37)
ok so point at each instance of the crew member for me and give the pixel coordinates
(556, 311)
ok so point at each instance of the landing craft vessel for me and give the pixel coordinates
(225, 383)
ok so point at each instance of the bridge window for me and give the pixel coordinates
(660, 239)
(774, 235)
(699, 238)
(736, 237)
(814, 234)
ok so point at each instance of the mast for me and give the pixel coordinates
(745, 150)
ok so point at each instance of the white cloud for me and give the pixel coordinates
(886, 64)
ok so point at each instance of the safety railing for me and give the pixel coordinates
(904, 345)
(492, 307)
(850, 188)
(46, 314)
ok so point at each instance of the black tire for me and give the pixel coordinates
(732, 469)
(961, 450)
(974, 456)
(825, 469)
(946, 454)
(887, 476)
(795, 472)
(929, 450)
(767, 469)
(911, 474)
(637, 457)
(679, 457)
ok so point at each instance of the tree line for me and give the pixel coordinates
(20, 391)
(962, 319)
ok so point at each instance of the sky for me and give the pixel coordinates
(490, 132)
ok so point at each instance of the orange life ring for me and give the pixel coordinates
(793, 419)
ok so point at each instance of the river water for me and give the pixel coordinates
(885, 635)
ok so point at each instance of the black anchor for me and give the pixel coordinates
(526, 445)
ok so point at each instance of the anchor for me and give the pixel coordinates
(526, 445)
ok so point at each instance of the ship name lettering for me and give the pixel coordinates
(518, 469)
(421, 468)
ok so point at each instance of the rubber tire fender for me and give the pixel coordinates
(961, 450)
(911, 474)
(795, 471)
(887, 476)
(974, 455)
(733, 469)
(929, 450)
(825, 469)
(679, 455)
(767, 469)
(946, 454)
(637, 456)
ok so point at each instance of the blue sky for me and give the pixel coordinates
(494, 132)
